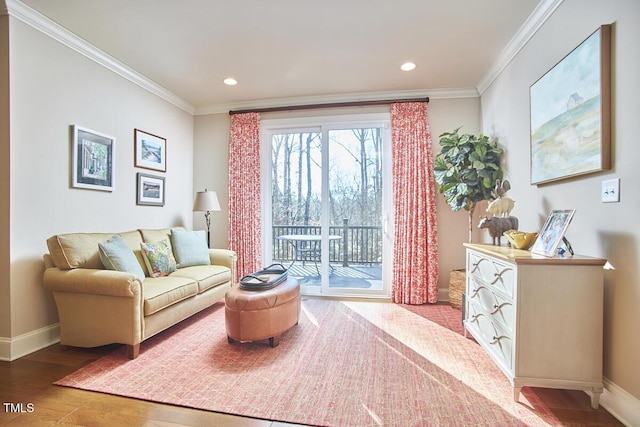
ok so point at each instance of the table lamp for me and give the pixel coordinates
(206, 201)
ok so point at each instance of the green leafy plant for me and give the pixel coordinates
(467, 169)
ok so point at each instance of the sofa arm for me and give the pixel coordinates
(92, 281)
(224, 257)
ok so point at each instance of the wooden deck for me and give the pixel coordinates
(360, 277)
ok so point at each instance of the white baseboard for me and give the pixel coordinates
(443, 294)
(15, 348)
(620, 404)
(5, 349)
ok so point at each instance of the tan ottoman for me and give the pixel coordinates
(258, 315)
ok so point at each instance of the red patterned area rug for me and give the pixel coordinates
(344, 364)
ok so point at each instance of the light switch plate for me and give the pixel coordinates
(610, 190)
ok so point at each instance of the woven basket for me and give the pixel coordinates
(457, 285)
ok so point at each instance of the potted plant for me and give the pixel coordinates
(467, 169)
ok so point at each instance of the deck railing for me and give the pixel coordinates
(359, 244)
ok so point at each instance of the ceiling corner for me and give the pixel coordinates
(539, 16)
(50, 28)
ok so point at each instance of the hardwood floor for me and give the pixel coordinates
(30, 399)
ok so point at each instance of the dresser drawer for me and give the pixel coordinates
(491, 336)
(497, 275)
(516, 309)
(499, 308)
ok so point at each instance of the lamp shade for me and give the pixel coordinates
(206, 201)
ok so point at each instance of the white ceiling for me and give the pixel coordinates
(301, 49)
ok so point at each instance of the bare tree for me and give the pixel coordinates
(362, 135)
(307, 201)
(286, 199)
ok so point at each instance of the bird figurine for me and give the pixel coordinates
(501, 188)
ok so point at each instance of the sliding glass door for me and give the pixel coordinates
(325, 206)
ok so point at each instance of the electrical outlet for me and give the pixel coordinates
(610, 191)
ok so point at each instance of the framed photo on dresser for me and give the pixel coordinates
(552, 232)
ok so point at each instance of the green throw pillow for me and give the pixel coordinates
(116, 255)
(190, 247)
(158, 258)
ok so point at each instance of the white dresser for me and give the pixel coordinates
(539, 318)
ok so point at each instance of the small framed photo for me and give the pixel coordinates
(552, 232)
(92, 159)
(150, 151)
(150, 190)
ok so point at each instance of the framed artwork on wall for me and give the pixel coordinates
(552, 232)
(150, 151)
(570, 109)
(150, 190)
(92, 159)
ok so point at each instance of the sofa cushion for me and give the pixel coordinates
(116, 255)
(208, 276)
(190, 247)
(150, 235)
(161, 292)
(80, 250)
(159, 258)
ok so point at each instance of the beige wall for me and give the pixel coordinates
(607, 230)
(53, 87)
(211, 170)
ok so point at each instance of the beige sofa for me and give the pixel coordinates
(99, 306)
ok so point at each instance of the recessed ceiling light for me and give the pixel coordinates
(408, 66)
(230, 81)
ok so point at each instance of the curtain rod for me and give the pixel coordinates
(327, 105)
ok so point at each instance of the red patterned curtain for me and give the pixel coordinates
(245, 232)
(415, 248)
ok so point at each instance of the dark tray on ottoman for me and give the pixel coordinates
(267, 278)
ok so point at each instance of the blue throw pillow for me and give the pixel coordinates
(115, 254)
(190, 247)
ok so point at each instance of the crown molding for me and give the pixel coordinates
(29, 16)
(531, 26)
(50, 28)
(352, 97)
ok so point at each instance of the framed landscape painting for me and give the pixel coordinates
(150, 190)
(150, 151)
(92, 159)
(570, 109)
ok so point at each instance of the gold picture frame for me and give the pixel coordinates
(570, 113)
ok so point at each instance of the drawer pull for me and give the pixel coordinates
(496, 340)
(474, 318)
(497, 308)
(498, 276)
(476, 291)
(475, 265)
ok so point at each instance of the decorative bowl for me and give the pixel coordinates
(520, 239)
